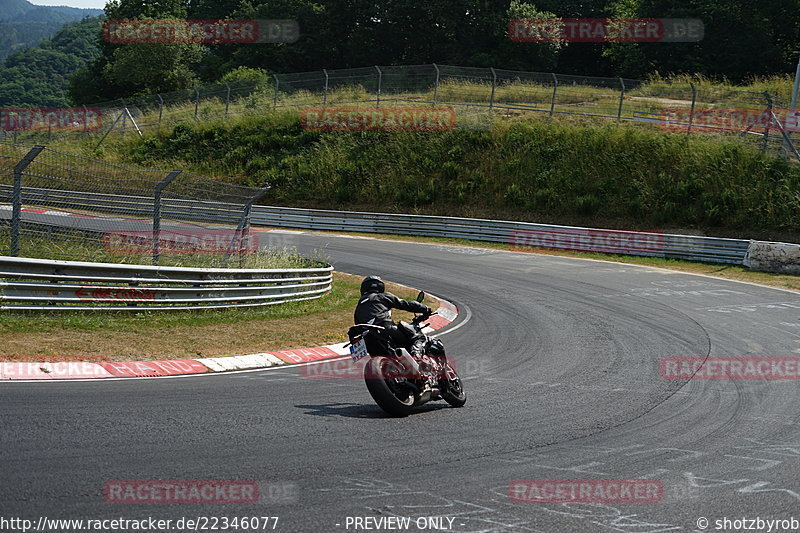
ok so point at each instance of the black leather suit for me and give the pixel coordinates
(376, 308)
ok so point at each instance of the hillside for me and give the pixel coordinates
(560, 171)
(23, 25)
(39, 76)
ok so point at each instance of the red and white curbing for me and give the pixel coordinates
(446, 313)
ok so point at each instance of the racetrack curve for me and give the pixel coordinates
(561, 364)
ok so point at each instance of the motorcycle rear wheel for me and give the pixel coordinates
(388, 392)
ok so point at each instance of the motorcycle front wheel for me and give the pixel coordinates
(388, 392)
(453, 388)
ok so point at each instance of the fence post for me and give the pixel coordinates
(553, 99)
(124, 118)
(325, 94)
(621, 97)
(227, 98)
(691, 112)
(769, 121)
(160, 107)
(380, 82)
(157, 213)
(494, 84)
(436, 87)
(113, 124)
(275, 92)
(85, 120)
(16, 196)
(243, 228)
(196, 101)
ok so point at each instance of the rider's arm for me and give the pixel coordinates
(393, 301)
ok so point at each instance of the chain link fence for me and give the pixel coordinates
(683, 107)
(61, 206)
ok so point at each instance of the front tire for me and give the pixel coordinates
(388, 393)
(454, 393)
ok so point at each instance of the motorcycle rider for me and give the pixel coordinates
(375, 307)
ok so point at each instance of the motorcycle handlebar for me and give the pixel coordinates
(419, 318)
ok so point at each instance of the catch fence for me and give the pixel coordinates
(61, 206)
(676, 106)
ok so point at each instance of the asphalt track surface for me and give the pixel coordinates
(560, 359)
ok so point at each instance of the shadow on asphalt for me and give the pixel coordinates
(355, 410)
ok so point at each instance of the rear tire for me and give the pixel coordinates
(395, 400)
(453, 393)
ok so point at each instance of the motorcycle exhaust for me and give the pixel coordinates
(409, 364)
(427, 396)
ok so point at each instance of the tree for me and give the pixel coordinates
(742, 38)
(139, 68)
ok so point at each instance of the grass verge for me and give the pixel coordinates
(119, 336)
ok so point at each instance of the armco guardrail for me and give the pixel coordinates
(40, 284)
(521, 235)
(140, 206)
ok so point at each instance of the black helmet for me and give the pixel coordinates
(372, 284)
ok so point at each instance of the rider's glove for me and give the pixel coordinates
(428, 312)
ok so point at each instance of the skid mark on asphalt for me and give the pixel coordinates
(391, 499)
(752, 308)
(676, 468)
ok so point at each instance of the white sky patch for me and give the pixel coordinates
(94, 4)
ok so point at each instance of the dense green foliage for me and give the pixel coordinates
(39, 76)
(742, 39)
(532, 170)
(23, 24)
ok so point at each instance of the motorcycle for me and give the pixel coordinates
(397, 380)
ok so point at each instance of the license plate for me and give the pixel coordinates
(358, 350)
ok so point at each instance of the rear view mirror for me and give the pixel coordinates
(421, 296)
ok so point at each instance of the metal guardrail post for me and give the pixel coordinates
(275, 91)
(325, 94)
(553, 100)
(227, 98)
(621, 98)
(16, 197)
(436, 87)
(160, 108)
(380, 82)
(157, 213)
(694, 102)
(494, 84)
